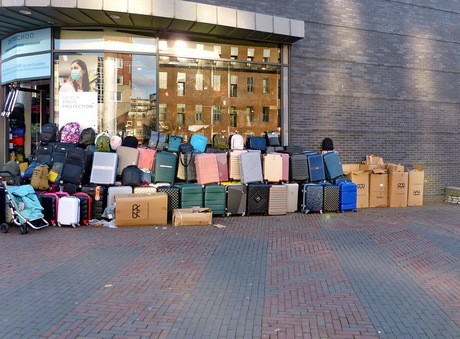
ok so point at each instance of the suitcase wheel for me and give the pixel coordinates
(59, 224)
(4, 228)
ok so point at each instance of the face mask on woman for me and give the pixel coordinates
(75, 74)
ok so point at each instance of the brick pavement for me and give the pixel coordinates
(377, 273)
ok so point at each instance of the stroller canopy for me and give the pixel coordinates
(26, 202)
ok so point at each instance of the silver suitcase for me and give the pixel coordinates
(104, 169)
(113, 191)
(251, 167)
(68, 211)
(293, 197)
(277, 201)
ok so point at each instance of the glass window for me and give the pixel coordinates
(119, 79)
(234, 53)
(163, 80)
(265, 85)
(199, 113)
(250, 84)
(216, 82)
(233, 116)
(216, 113)
(163, 111)
(250, 113)
(266, 57)
(180, 114)
(233, 86)
(199, 82)
(265, 114)
(180, 84)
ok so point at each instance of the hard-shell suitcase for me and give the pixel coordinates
(251, 167)
(199, 142)
(146, 158)
(165, 167)
(50, 203)
(298, 167)
(293, 197)
(222, 165)
(291, 149)
(127, 156)
(258, 196)
(207, 170)
(85, 207)
(273, 167)
(316, 168)
(237, 195)
(234, 164)
(98, 196)
(131, 176)
(104, 170)
(173, 193)
(331, 198)
(278, 200)
(339, 180)
(271, 149)
(69, 211)
(215, 198)
(144, 189)
(257, 143)
(332, 165)
(348, 196)
(311, 198)
(114, 191)
(77, 166)
(191, 195)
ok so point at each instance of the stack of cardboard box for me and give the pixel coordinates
(383, 184)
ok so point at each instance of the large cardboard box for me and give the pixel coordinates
(378, 189)
(394, 167)
(416, 184)
(141, 209)
(195, 216)
(372, 162)
(397, 189)
(361, 179)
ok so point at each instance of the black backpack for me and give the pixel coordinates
(327, 144)
(87, 137)
(130, 141)
(49, 133)
(131, 176)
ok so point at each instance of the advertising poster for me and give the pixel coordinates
(77, 90)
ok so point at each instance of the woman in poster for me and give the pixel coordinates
(79, 76)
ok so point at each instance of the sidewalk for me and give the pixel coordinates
(377, 273)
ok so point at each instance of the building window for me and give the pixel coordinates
(119, 63)
(198, 113)
(163, 80)
(250, 113)
(218, 50)
(234, 53)
(250, 84)
(216, 82)
(119, 96)
(250, 54)
(265, 114)
(163, 110)
(216, 113)
(119, 80)
(199, 82)
(233, 86)
(266, 85)
(180, 114)
(180, 84)
(266, 57)
(233, 116)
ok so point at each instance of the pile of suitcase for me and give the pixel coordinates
(274, 181)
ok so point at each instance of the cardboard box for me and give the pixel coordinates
(394, 167)
(195, 216)
(360, 178)
(141, 209)
(378, 189)
(348, 168)
(371, 163)
(416, 183)
(397, 189)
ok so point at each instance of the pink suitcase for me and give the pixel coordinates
(207, 170)
(146, 158)
(222, 165)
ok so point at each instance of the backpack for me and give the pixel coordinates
(131, 176)
(327, 144)
(115, 142)
(236, 141)
(130, 141)
(11, 173)
(87, 137)
(55, 172)
(39, 179)
(70, 133)
(49, 133)
(219, 141)
(103, 142)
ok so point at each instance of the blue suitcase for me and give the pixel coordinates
(215, 198)
(311, 198)
(165, 167)
(316, 167)
(332, 165)
(337, 181)
(191, 195)
(348, 196)
(258, 143)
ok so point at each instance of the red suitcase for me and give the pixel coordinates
(146, 158)
(207, 170)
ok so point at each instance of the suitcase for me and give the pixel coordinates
(146, 158)
(113, 191)
(258, 197)
(77, 166)
(207, 170)
(44, 154)
(215, 198)
(69, 211)
(293, 197)
(98, 196)
(222, 165)
(173, 193)
(191, 195)
(311, 198)
(273, 167)
(234, 164)
(257, 143)
(332, 165)
(3, 205)
(339, 180)
(131, 176)
(272, 149)
(186, 167)
(60, 151)
(104, 170)
(251, 167)
(199, 142)
(316, 168)
(278, 200)
(165, 167)
(331, 198)
(298, 167)
(236, 199)
(85, 207)
(50, 203)
(348, 196)
(291, 149)
(127, 156)
(144, 189)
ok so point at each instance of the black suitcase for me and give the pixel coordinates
(48, 203)
(60, 151)
(85, 207)
(173, 193)
(331, 198)
(291, 149)
(2, 205)
(298, 168)
(77, 166)
(131, 176)
(258, 195)
(44, 154)
(99, 199)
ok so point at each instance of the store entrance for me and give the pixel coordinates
(31, 112)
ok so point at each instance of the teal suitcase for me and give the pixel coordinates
(215, 198)
(165, 167)
(191, 195)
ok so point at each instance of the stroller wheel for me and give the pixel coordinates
(24, 229)
(4, 228)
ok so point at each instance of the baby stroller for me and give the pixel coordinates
(26, 210)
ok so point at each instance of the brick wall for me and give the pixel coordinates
(378, 77)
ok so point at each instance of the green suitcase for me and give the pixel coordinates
(191, 195)
(215, 198)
